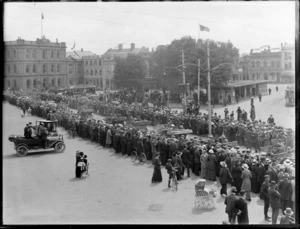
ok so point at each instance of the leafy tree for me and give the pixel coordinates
(130, 71)
(166, 58)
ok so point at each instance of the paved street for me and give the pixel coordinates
(42, 189)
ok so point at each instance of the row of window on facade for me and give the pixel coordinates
(287, 55)
(92, 62)
(33, 54)
(272, 76)
(33, 68)
(265, 64)
(35, 83)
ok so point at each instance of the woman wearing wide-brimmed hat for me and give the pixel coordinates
(246, 184)
(287, 218)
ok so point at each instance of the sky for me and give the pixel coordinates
(98, 26)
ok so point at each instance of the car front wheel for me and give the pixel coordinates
(22, 151)
(60, 147)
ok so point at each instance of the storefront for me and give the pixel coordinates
(236, 91)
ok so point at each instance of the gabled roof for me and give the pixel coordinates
(78, 54)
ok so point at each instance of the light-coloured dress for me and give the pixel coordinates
(246, 176)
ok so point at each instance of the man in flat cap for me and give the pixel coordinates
(264, 195)
(275, 201)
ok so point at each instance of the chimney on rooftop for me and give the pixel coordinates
(120, 46)
(132, 46)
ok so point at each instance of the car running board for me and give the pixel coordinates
(40, 150)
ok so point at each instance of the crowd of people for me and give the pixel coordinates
(210, 159)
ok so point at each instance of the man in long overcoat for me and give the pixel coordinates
(242, 208)
(230, 206)
(285, 190)
(264, 195)
(275, 201)
(186, 160)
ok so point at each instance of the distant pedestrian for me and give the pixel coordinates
(276, 88)
(270, 90)
(252, 113)
(252, 101)
(259, 96)
(287, 218)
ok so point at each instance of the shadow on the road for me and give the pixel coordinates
(154, 184)
(77, 179)
(199, 210)
(259, 202)
(220, 200)
(167, 189)
(12, 156)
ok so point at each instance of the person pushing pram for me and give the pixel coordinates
(81, 164)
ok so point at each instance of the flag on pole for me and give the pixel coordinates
(42, 16)
(204, 28)
(73, 46)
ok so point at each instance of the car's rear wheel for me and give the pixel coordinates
(60, 147)
(22, 151)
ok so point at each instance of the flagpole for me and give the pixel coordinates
(42, 25)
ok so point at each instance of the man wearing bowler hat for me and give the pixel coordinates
(275, 201)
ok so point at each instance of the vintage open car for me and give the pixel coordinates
(176, 132)
(55, 141)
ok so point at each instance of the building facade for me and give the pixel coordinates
(92, 70)
(265, 64)
(108, 61)
(35, 64)
(287, 63)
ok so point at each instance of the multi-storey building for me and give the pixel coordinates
(108, 61)
(92, 70)
(35, 64)
(84, 67)
(287, 63)
(265, 64)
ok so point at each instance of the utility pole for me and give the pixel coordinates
(183, 79)
(208, 91)
(199, 83)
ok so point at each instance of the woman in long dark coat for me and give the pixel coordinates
(157, 177)
(211, 165)
(254, 178)
(237, 176)
(242, 207)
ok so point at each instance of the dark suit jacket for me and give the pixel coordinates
(285, 189)
(275, 198)
(241, 205)
(230, 204)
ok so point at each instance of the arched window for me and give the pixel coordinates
(15, 68)
(95, 62)
(52, 67)
(34, 68)
(44, 68)
(15, 84)
(58, 67)
(87, 72)
(91, 72)
(96, 72)
(91, 62)
(99, 62)
(15, 54)
(53, 82)
(34, 83)
(52, 54)
(34, 53)
(100, 72)
(265, 76)
(57, 54)
(8, 68)
(58, 82)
